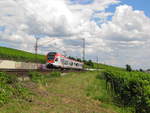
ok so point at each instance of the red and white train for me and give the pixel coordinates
(56, 60)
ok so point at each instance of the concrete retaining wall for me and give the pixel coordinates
(7, 64)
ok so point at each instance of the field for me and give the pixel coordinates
(79, 92)
(18, 55)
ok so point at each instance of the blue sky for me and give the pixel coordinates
(143, 5)
(83, 2)
(139, 5)
(2, 28)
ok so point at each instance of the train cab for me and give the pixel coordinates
(52, 59)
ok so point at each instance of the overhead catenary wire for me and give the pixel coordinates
(37, 39)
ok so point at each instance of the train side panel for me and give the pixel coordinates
(60, 61)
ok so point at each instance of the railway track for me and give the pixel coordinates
(25, 72)
(16, 70)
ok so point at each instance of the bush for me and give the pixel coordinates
(5, 93)
(8, 79)
(128, 68)
(10, 87)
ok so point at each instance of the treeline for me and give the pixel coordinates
(129, 68)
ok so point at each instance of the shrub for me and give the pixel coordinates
(11, 87)
(10, 79)
(5, 93)
(128, 68)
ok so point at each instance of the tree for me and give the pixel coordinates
(89, 63)
(72, 58)
(128, 68)
(141, 70)
(79, 59)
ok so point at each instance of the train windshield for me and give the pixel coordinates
(51, 55)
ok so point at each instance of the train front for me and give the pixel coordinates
(50, 59)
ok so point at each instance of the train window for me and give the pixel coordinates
(79, 65)
(65, 62)
(51, 57)
(71, 63)
(62, 60)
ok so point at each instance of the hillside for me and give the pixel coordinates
(18, 55)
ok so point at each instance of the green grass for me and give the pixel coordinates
(81, 92)
(40, 78)
(18, 55)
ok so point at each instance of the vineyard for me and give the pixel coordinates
(18, 55)
(131, 89)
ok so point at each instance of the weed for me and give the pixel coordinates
(10, 87)
(55, 74)
(40, 78)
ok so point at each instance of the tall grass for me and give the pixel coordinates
(40, 78)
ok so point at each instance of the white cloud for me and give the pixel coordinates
(61, 26)
(127, 25)
(127, 34)
(30, 18)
